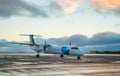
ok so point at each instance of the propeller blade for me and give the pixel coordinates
(70, 43)
(45, 46)
(45, 43)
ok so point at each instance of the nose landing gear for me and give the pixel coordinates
(78, 57)
(37, 55)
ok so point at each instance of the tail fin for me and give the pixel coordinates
(31, 37)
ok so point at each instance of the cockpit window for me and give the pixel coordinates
(74, 48)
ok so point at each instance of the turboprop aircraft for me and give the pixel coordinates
(52, 49)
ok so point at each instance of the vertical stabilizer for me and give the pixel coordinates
(31, 39)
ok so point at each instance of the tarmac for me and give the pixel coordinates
(26, 64)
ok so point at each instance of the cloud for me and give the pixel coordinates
(82, 40)
(46, 8)
(34, 8)
(105, 47)
(71, 6)
(10, 8)
(105, 38)
(109, 6)
(104, 41)
(3, 43)
(55, 8)
(75, 39)
(100, 6)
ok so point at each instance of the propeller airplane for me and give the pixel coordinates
(52, 49)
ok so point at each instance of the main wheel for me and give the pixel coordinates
(37, 55)
(62, 55)
(78, 57)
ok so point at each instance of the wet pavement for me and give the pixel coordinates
(26, 64)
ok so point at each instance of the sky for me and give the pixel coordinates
(60, 19)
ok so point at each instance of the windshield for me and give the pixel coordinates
(74, 48)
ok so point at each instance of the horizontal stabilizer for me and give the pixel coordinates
(30, 35)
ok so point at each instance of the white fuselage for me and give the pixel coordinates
(64, 50)
(55, 49)
(52, 49)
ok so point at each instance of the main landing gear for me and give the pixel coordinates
(61, 55)
(37, 55)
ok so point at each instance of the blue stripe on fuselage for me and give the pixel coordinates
(65, 50)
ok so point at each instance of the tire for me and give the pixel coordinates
(78, 57)
(61, 55)
(37, 55)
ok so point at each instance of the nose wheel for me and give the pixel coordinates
(37, 55)
(78, 57)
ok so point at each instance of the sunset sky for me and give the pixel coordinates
(58, 18)
(85, 22)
